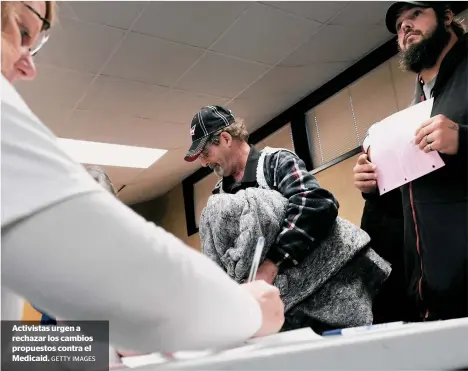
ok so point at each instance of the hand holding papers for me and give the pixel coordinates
(398, 159)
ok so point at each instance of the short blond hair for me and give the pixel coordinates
(9, 6)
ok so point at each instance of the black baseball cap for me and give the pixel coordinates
(207, 121)
(395, 9)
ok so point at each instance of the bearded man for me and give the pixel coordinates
(435, 207)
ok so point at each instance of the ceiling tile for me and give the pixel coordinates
(159, 178)
(79, 46)
(111, 13)
(64, 10)
(54, 88)
(351, 43)
(158, 182)
(172, 162)
(116, 129)
(197, 23)
(83, 41)
(56, 119)
(221, 75)
(295, 82)
(128, 98)
(363, 13)
(320, 11)
(154, 61)
(257, 111)
(265, 34)
(180, 106)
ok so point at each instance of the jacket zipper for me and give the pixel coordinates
(413, 212)
(418, 247)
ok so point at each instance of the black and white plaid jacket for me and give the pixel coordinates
(311, 211)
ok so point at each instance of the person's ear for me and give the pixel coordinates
(448, 18)
(227, 138)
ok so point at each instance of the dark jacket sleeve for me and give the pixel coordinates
(463, 141)
(311, 210)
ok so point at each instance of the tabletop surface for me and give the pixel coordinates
(431, 345)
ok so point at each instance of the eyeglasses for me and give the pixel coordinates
(43, 36)
(204, 152)
(214, 139)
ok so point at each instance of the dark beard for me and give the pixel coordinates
(424, 54)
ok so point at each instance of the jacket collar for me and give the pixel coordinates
(250, 171)
(455, 55)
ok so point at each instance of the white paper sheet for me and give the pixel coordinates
(392, 149)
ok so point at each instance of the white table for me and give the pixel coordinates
(434, 345)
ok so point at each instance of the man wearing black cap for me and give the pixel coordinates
(435, 207)
(220, 142)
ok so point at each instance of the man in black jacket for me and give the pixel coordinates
(435, 207)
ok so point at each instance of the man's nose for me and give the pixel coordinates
(26, 67)
(406, 26)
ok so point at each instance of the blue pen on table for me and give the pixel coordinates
(364, 329)
(256, 259)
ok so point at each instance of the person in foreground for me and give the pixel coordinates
(435, 207)
(61, 229)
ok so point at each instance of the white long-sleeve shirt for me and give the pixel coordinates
(76, 252)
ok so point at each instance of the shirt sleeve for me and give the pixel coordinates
(91, 257)
(463, 142)
(311, 212)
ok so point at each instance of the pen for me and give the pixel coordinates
(256, 259)
(363, 329)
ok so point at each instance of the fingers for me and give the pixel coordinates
(422, 132)
(362, 177)
(271, 305)
(362, 160)
(366, 186)
(365, 177)
(429, 138)
(434, 146)
(428, 127)
(363, 165)
(365, 182)
(368, 168)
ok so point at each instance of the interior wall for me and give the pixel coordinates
(30, 314)
(168, 212)
(340, 124)
(338, 179)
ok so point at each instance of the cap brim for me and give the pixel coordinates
(391, 16)
(394, 11)
(195, 149)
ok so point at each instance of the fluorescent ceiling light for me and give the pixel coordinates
(110, 154)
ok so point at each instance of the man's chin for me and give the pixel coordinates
(218, 171)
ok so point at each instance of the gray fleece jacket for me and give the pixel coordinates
(332, 287)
